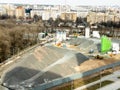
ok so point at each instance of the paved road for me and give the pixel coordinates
(115, 85)
(111, 77)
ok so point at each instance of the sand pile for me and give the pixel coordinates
(92, 64)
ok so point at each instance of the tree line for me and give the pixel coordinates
(14, 38)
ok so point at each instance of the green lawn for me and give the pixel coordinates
(96, 86)
(118, 77)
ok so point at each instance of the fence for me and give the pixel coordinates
(73, 77)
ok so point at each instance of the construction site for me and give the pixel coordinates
(60, 64)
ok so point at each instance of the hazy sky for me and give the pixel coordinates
(70, 2)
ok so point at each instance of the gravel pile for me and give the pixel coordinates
(42, 65)
(85, 44)
(77, 41)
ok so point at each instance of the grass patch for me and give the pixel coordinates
(96, 86)
(80, 82)
(118, 77)
(84, 82)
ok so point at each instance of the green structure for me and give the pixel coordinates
(105, 44)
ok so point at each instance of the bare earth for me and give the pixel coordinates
(91, 64)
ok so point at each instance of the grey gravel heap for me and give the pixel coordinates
(42, 65)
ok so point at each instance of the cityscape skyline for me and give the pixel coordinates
(68, 2)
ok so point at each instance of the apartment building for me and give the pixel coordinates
(96, 17)
(1, 10)
(46, 11)
(69, 16)
(8, 9)
(20, 11)
(82, 11)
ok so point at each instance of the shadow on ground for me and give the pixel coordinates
(18, 75)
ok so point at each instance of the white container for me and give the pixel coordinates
(96, 34)
(115, 47)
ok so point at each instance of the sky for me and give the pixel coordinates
(61, 2)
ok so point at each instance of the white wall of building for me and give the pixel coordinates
(45, 14)
(60, 36)
(87, 32)
(115, 47)
(37, 12)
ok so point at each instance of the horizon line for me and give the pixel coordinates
(55, 4)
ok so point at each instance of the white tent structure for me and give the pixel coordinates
(60, 36)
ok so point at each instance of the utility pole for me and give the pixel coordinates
(72, 85)
(100, 79)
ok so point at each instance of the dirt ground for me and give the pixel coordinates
(95, 63)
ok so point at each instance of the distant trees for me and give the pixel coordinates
(78, 20)
(81, 21)
(14, 38)
(4, 16)
(51, 21)
(4, 45)
(57, 21)
(66, 23)
(110, 24)
(36, 18)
